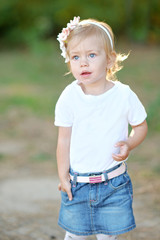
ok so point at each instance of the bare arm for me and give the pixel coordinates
(63, 159)
(136, 136)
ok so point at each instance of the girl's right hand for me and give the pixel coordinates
(65, 187)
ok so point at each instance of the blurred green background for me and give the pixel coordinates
(22, 22)
(32, 78)
(29, 53)
(32, 70)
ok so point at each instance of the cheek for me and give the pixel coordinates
(73, 68)
(102, 67)
(105, 66)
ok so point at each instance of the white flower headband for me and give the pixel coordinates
(62, 37)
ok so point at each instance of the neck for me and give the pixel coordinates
(96, 89)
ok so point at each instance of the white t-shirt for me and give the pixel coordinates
(98, 123)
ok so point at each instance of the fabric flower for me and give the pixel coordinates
(73, 23)
(62, 37)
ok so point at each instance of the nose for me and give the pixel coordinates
(84, 62)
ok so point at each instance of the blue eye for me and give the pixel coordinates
(92, 55)
(75, 57)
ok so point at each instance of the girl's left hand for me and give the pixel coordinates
(124, 151)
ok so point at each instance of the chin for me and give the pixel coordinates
(86, 81)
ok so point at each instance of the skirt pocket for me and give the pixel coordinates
(120, 181)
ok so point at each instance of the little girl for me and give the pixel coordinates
(93, 114)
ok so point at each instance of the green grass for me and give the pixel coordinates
(2, 157)
(41, 157)
(32, 79)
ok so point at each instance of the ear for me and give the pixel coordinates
(111, 59)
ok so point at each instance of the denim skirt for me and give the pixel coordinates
(98, 208)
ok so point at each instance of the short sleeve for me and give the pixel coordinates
(136, 113)
(63, 110)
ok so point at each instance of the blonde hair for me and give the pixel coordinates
(87, 28)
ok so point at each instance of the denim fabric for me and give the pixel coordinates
(100, 208)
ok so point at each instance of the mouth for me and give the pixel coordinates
(85, 74)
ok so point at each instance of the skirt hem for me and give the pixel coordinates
(93, 232)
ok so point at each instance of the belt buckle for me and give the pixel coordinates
(95, 179)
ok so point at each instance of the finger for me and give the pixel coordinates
(69, 195)
(119, 144)
(59, 186)
(117, 157)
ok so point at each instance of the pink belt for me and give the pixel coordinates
(101, 178)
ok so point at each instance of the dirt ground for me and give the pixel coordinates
(29, 198)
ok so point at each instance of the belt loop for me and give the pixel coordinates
(75, 179)
(106, 177)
